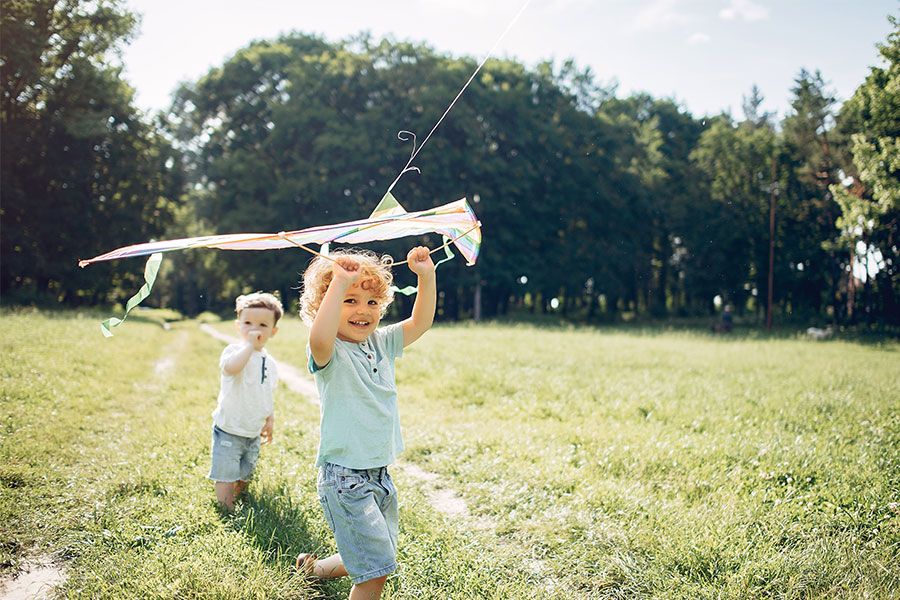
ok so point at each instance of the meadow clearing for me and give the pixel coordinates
(594, 463)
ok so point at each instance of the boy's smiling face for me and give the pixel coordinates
(360, 314)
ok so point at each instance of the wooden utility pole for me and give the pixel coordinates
(773, 192)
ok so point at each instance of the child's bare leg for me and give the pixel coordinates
(368, 590)
(326, 568)
(331, 567)
(240, 487)
(225, 494)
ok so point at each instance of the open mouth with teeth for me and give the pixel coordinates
(359, 323)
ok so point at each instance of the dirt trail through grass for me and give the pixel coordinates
(103, 457)
(677, 465)
(442, 498)
(39, 576)
(35, 581)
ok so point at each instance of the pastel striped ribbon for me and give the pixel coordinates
(150, 271)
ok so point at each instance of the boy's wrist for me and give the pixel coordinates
(341, 284)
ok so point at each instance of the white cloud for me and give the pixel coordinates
(658, 15)
(746, 10)
(698, 38)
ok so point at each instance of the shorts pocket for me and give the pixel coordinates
(349, 483)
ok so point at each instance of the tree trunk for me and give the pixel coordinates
(476, 302)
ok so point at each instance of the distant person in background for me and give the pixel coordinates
(244, 417)
(727, 319)
(344, 297)
(726, 323)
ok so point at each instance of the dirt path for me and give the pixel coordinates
(36, 580)
(441, 496)
(38, 576)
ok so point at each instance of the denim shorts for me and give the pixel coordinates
(233, 456)
(360, 506)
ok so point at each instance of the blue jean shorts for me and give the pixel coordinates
(233, 456)
(360, 506)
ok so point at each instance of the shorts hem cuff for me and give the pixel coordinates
(373, 574)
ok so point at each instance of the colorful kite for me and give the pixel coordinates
(455, 221)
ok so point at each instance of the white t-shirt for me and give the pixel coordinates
(246, 398)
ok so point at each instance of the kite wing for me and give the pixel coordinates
(455, 220)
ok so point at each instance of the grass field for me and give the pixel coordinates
(607, 463)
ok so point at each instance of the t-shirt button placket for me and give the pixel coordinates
(371, 358)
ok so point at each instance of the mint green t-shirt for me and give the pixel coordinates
(360, 424)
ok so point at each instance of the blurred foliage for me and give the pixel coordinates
(593, 205)
(82, 170)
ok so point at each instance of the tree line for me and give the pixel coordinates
(598, 206)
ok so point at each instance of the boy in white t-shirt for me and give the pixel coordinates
(244, 417)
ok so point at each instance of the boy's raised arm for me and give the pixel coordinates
(422, 316)
(325, 326)
(237, 361)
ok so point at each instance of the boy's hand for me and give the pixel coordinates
(420, 261)
(254, 338)
(267, 431)
(346, 269)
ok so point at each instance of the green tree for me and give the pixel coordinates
(82, 172)
(667, 202)
(809, 270)
(297, 132)
(729, 251)
(870, 197)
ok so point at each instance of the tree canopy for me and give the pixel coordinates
(596, 205)
(82, 170)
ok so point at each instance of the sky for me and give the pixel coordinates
(705, 54)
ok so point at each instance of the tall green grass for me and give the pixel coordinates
(613, 464)
(675, 464)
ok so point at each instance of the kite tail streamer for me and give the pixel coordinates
(150, 271)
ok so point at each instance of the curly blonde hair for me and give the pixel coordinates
(376, 277)
(259, 300)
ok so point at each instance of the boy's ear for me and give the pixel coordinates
(274, 331)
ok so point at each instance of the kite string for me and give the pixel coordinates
(285, 237)
(401, 134)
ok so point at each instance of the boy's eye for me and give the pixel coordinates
(350, 301)
(373, 303)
